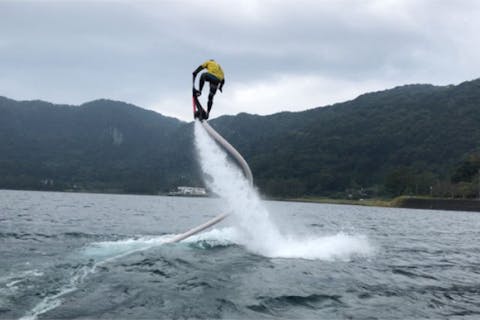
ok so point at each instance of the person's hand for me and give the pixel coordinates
(220, 89)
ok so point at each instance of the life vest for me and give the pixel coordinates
(214, 68)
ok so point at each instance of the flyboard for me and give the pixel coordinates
(200, 114)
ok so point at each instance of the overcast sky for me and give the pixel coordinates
(277, 55)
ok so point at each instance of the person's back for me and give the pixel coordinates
(214, 68)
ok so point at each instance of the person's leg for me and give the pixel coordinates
(202, 81)
(207, 77)
(211, 94)
(214, 82)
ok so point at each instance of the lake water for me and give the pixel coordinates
(94, 256)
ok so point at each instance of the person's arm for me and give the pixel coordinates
(200, 68)
(221, 85)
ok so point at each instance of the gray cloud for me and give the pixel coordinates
(144, 52)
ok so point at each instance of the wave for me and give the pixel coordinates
(339, 246)
(107, 250)
(43, 236)
(25, 236)
(12, 280)
(98, 253)
(52, 301)
(313, 301)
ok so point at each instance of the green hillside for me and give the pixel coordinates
(396, 141)
(414, 139)
(101, 145)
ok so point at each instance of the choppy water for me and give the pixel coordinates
(78, 256)
(84, 256)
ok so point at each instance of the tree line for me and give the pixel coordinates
(410, 140)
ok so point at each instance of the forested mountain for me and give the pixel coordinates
(417, 139)
(101, 145)
(401, 140)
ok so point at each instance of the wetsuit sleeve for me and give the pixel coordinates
(197, 70)
(221, 85)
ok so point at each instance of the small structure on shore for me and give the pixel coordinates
(189, 192)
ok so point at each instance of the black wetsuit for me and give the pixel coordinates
(214, 82)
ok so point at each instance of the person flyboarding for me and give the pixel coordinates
(214, 75)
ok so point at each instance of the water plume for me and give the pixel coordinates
(253, 227)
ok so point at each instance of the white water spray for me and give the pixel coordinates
(252, 225)
(225, 179)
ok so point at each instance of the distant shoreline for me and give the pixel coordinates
(437, 203)
(408, 202)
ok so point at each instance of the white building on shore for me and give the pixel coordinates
(189, 191)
